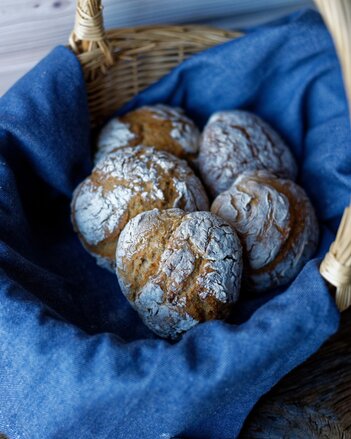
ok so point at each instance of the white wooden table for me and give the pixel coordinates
(29, 29)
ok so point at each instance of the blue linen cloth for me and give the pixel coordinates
(75, 360)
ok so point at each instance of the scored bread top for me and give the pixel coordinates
(125, 183)
(160, 126)
(179, 267)
(236, 141)
(276, 224)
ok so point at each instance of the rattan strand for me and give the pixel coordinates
(120, 63)
(336, 266)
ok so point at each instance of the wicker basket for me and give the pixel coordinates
(120, 63)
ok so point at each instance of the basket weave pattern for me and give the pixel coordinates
(120, 63)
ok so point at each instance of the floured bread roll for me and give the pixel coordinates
(163, 127)
(276, 224)
(125, 183)
(236, 141)
(178, 269)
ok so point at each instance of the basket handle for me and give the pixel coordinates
(336, 266)
(89, 33)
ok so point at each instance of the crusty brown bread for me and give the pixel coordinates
(125, 183)
(236, 141)
(178, 269)
(160, 126)
(276, 224)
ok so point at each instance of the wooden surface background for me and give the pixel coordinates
(314, 400)
(31, 28)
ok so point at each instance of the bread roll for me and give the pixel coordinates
(178, 269)
(125, 183)
(160, 126)
(276, 224)
(236, 141)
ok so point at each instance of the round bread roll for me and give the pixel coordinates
(236, 141)
(163, 127)
(125, 183)
(178, 269)
(276, 224)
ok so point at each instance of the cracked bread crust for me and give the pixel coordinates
(178, 269)
(236, 141)
(160, 126)
(125, 183)
(276, 223)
